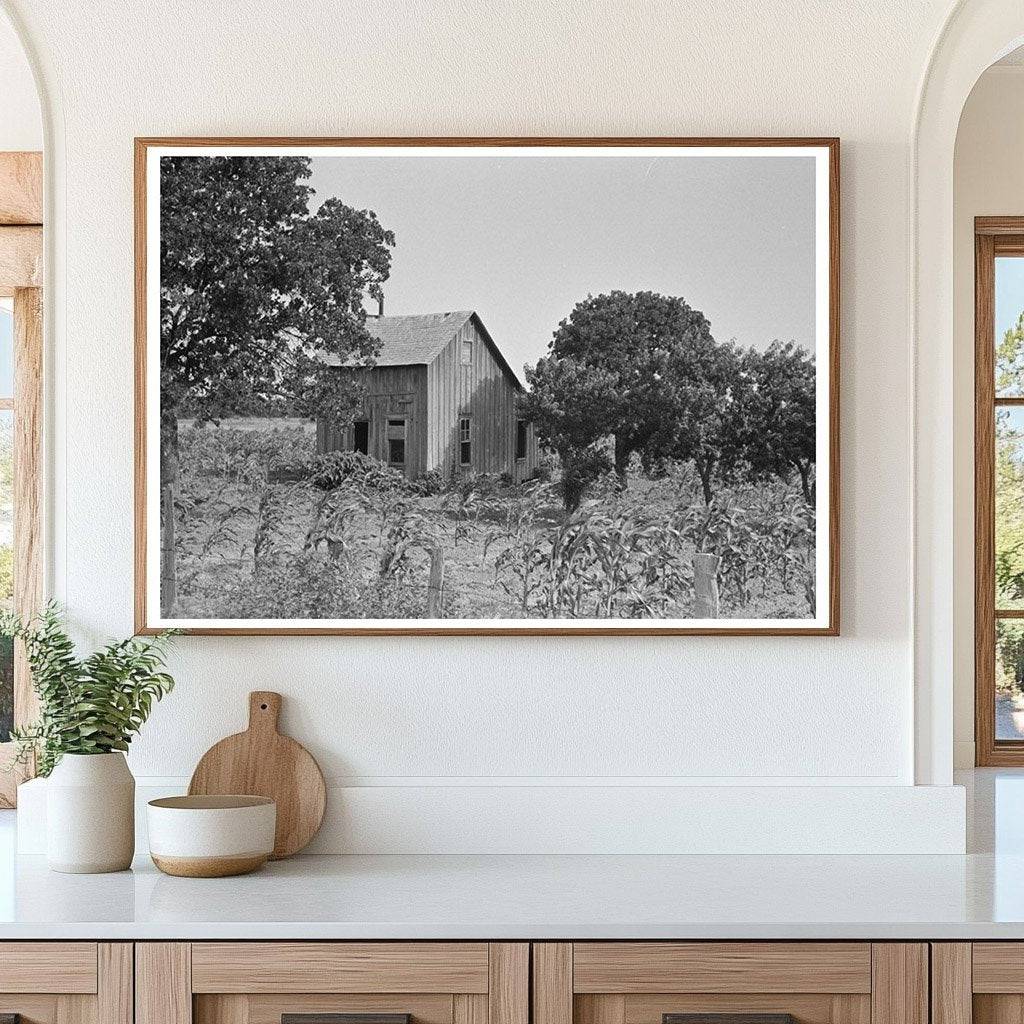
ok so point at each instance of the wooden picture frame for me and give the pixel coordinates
(826, 619)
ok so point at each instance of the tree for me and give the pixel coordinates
(1009, 472)
(254, 291)
(705, 399)
(610, 382)
(1010, 360)
(778, 388)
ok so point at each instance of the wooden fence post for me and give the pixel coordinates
(705, 585)
(168, 581)
(435, 587)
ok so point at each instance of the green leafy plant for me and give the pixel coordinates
(90, 705)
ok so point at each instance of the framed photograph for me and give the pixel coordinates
(487, 386)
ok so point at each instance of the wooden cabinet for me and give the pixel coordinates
(979, 982)
(647, 982)
(66, 982)
(260, 982)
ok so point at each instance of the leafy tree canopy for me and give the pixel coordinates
(779, 399)
(1010, 360)
(254, 287)
(611, 380)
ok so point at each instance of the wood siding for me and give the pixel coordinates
(393, 392)
(482, 391)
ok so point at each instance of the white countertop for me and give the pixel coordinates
(978, 896)
(532, 897)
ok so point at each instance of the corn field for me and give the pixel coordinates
(266, 528)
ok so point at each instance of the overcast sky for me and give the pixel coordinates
(522, 239)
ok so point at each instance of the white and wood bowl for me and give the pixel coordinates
(211, 836)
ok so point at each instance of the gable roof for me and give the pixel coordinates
(419, 338)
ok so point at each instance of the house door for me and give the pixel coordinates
(396, 437)
(361, 436)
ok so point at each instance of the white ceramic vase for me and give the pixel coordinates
(90, 814)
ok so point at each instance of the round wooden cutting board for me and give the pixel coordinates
(262, 762)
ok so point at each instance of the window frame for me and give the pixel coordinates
(465, 441)
(21, 260)
(466, 349)
(26, 403)
(993, 237)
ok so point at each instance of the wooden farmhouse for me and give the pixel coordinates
(441, 397)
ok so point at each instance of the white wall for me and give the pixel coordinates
(988, 180)
(21, 125)
(441, 713)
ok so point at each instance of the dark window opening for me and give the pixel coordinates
(465, 445)
(361, 436)
(396, 442)
(520, 439)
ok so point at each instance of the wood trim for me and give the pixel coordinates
(49, 967)
(469, 1008)
(508, 985)
(21, 188)
(21, 258)
(600, 1009)
(163, 983)
(552, 983)
(832, 144)
(899, 983)
(636, 967)
(999, 226)
(951, 983)
(984, 500)
(115, 983)
(340, 967)
(232, 1009)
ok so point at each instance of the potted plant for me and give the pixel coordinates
(89, 710)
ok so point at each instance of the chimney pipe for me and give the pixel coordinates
(380, 304)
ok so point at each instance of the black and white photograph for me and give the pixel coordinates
(471, 386)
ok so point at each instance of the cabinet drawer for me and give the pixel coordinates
(737, 982)
(981, 982)
(66, 982)
(263, 982)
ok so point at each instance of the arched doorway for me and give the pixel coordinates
(975, 35)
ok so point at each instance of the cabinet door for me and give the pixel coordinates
(332, 983)
(980, 982)
(66, 982)
(737, 982)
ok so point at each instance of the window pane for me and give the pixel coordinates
(1009, 326)
(6, 348)
(1009, 483)
(1009, 679)
(6, 567)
